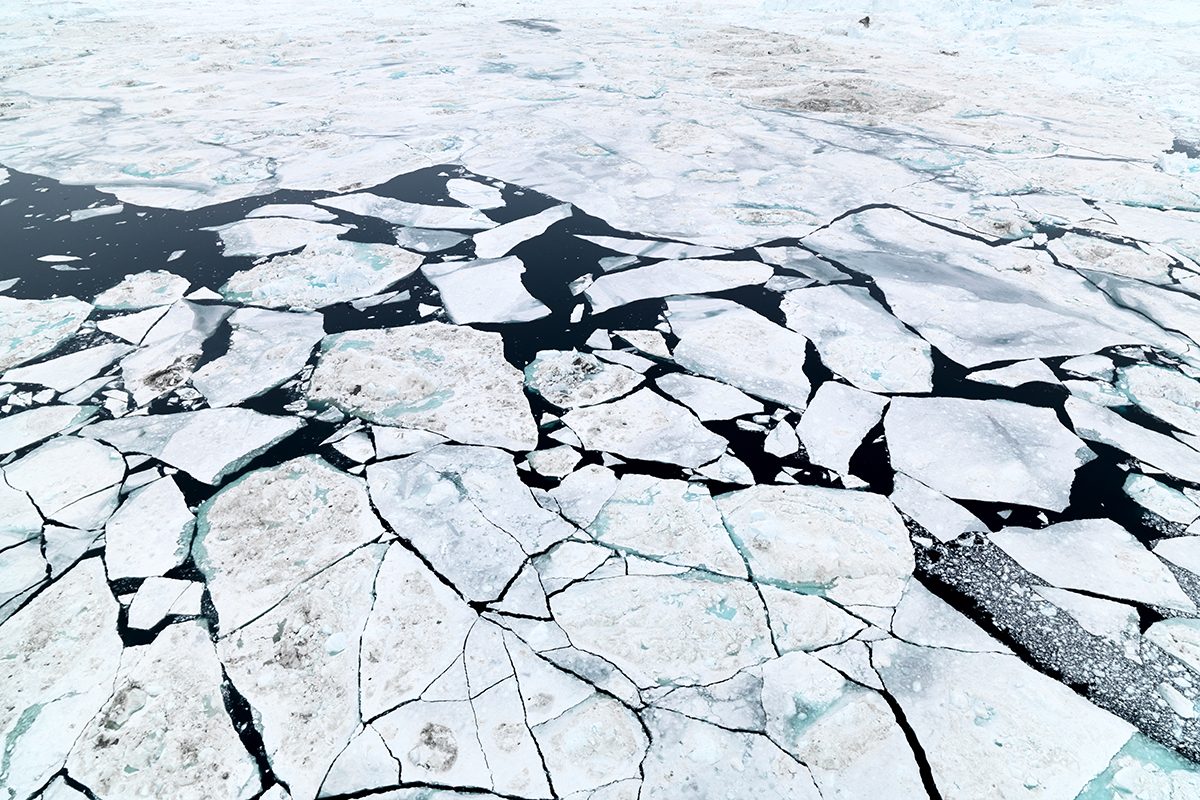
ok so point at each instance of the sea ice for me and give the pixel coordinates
(650, 248)
(668, 520)
(499, 241)
(265, 349)
(32, 328)
(164, 731)
(486, 290)
(265, 236)
(859, 340)
(475, 194)
(849, 546)
(274, 529)
(143, 290)
(729, 342)
(66, 372)
(72, 481)
(321, 274)
(686, 276)
(1105, 426)
(648, 427)
(836, 422)
(414, 215)
(570, 379)
(150, 534)
(468, 514)
(932, 510)
(24, 428)
(992, 450)
(207, 444)
(1097, 556)
(159, 598)
(708, 399)
(440, 378)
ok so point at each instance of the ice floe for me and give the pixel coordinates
(72, 481)
(265, 349)
(207, 444)
(24, 428)
(487, 290)
(143, 290)
(440, 378)
(66, 372)
(993, 450)
(686, 276)
(414, 215)
(32, 328)
(836, 422)
(150, 534)
(570, 379)
(859, 340)
(646, 426)
(499, 241)
(727, 341)
(321, 275)
(265, 236)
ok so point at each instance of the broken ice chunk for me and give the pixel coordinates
(671, 520)
(321, 275)
(55, 684)
(427, 241)
(20, 430)
(486, 290)
(366, 763)
(207, 444)
(273, 529)
(414, 215)
(648, 427)
(836, 422)
(805, 621)
(667, 630)
(159, 598)
(649, 342)
(1105, 256)
(570, 379)
(19, 519)
(299, 662)
(1117, 622)
(849, 546)
(801, 260)
(992, 450)
(990, 726)
(500, 241)
(32, 328)
(1172, 310)
(174, 737)
(859, 340)
(143, 290)
(1164, 393)
(708, 399)
(1145, 769)
(72, 481)
(631, 360)
(132, 327)
(467, 512)
(652, 248)
(923, 618)
(1096, 556)
(265, 236)
(1089, 366)
(293, 210)
(171, 350)
(391, 442)
(1158, 498)
(475, 194)
(265, 349)
(440, 378)
(557, 462)
(66, 372)
(672, 277)
(22, 569)
(933, 511)
(1016, 374)
(727, 469)
(581, 494)
(731, 343)
(150, 534)
(1107, 427)
(782, 441)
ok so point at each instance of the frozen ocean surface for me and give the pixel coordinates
(684, 400)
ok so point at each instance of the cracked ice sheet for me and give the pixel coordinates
(207, 444)
(486, 290)
(467, 512)
(440, 378)
(32, 328)
(993, 727)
